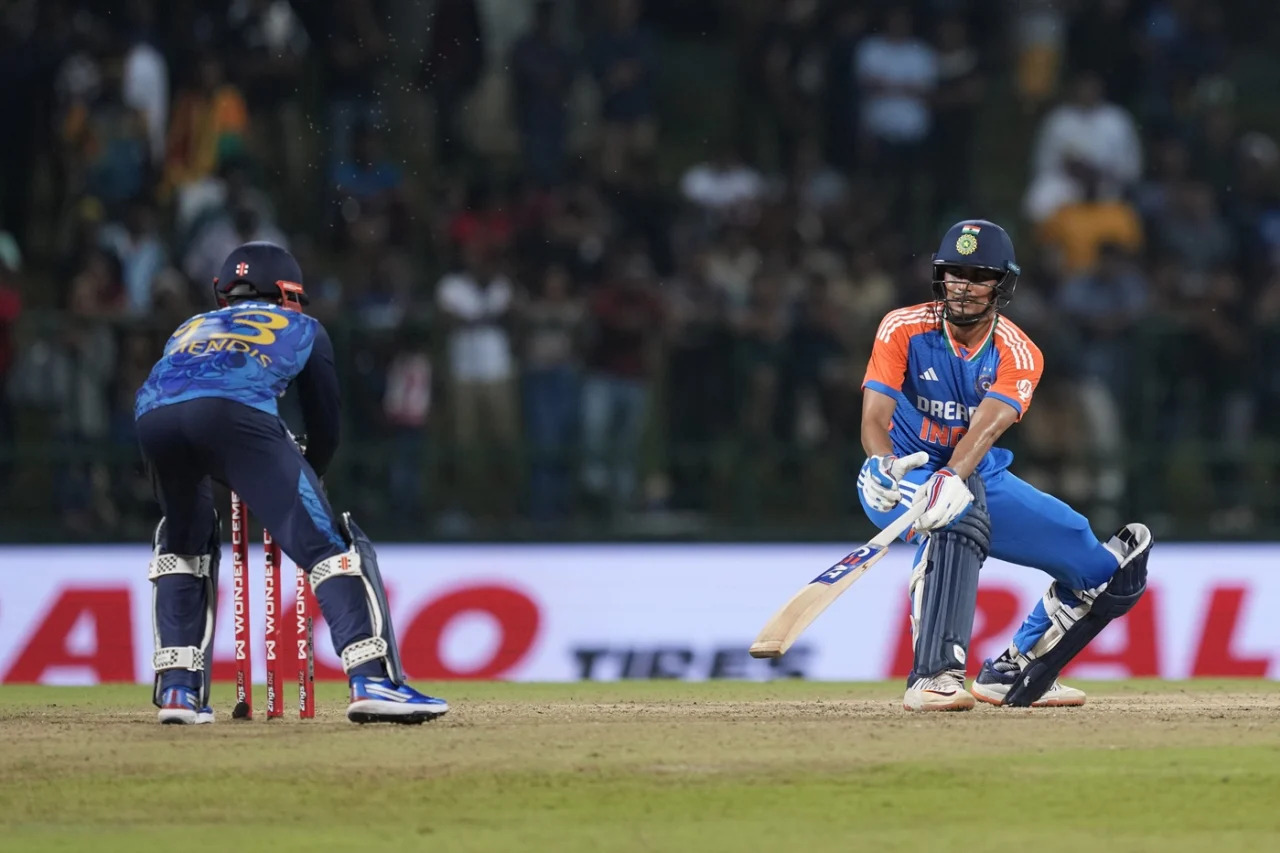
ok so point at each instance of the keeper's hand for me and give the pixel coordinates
(946, 498)
(882, 473)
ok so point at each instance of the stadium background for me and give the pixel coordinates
(700, 209)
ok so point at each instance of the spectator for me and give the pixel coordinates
(624, 63)
(812, 383)
(370, 194)
(209, 124)
(541, 78)
(1076, 230)
(1039, 29)
(1085, 130)
(897, 74)
(107, 143)
(552, 325)
(215, 240)
(763, 327)
(273, 47)
(724, 187)
(406, 405)
(731, 266)
(625, 315)
(145, 80)
(1104, 306)
(644, 212)
(819, 187)
(1190, 231)
(483, 220)
(475, 304)
(701, 398)
(83, 375)
(142, 253)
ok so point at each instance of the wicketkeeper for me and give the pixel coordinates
(208, 412)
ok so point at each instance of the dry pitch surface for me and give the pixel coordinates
(654, 766)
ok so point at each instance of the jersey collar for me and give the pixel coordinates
(977, 351)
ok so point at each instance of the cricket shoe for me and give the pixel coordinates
(942, 692)
(181, 706)
(998, 677)
(381, 700)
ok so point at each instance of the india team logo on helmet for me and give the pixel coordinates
(967, 242)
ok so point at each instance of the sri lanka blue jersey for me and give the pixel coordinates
(938, 383)
(248, 352)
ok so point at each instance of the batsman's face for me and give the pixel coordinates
(969, 291)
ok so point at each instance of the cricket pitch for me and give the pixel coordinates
(649, 766)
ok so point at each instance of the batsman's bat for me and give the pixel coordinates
(797, 614)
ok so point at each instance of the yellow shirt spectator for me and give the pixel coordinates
(1077, 230)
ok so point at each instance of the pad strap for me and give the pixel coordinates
(363, 651)
(178, 657)
(346, 563)
(162, 565)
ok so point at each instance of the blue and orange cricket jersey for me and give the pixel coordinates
(938, 383)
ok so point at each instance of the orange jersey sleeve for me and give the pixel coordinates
(1021, 365)
(888, 365)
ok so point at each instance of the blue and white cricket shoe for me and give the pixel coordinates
(380, 700)
(181, 706)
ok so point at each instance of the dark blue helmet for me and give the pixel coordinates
(260, 271)
(977, 250)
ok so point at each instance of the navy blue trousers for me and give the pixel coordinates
(189, 445)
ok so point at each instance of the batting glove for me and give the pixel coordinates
(880, 475)
(946, 498)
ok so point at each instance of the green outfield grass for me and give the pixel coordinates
(650, 766)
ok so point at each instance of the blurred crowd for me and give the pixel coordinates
(616, 265)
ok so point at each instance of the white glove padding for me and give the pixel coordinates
(882, 473)
(946, 498)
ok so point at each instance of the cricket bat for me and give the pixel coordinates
(806, 605)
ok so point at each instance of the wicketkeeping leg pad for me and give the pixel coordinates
(184, 617)
(351, 595)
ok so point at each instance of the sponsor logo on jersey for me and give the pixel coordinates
(944, 410)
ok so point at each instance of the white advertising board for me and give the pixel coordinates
(81, 615)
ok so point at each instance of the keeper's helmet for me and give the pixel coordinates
(261, 271)
(976, 250)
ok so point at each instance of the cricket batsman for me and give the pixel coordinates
(945, 380)
(208, 412)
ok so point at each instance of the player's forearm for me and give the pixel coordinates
(989, 422)
(875, 439)
(877, 414)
